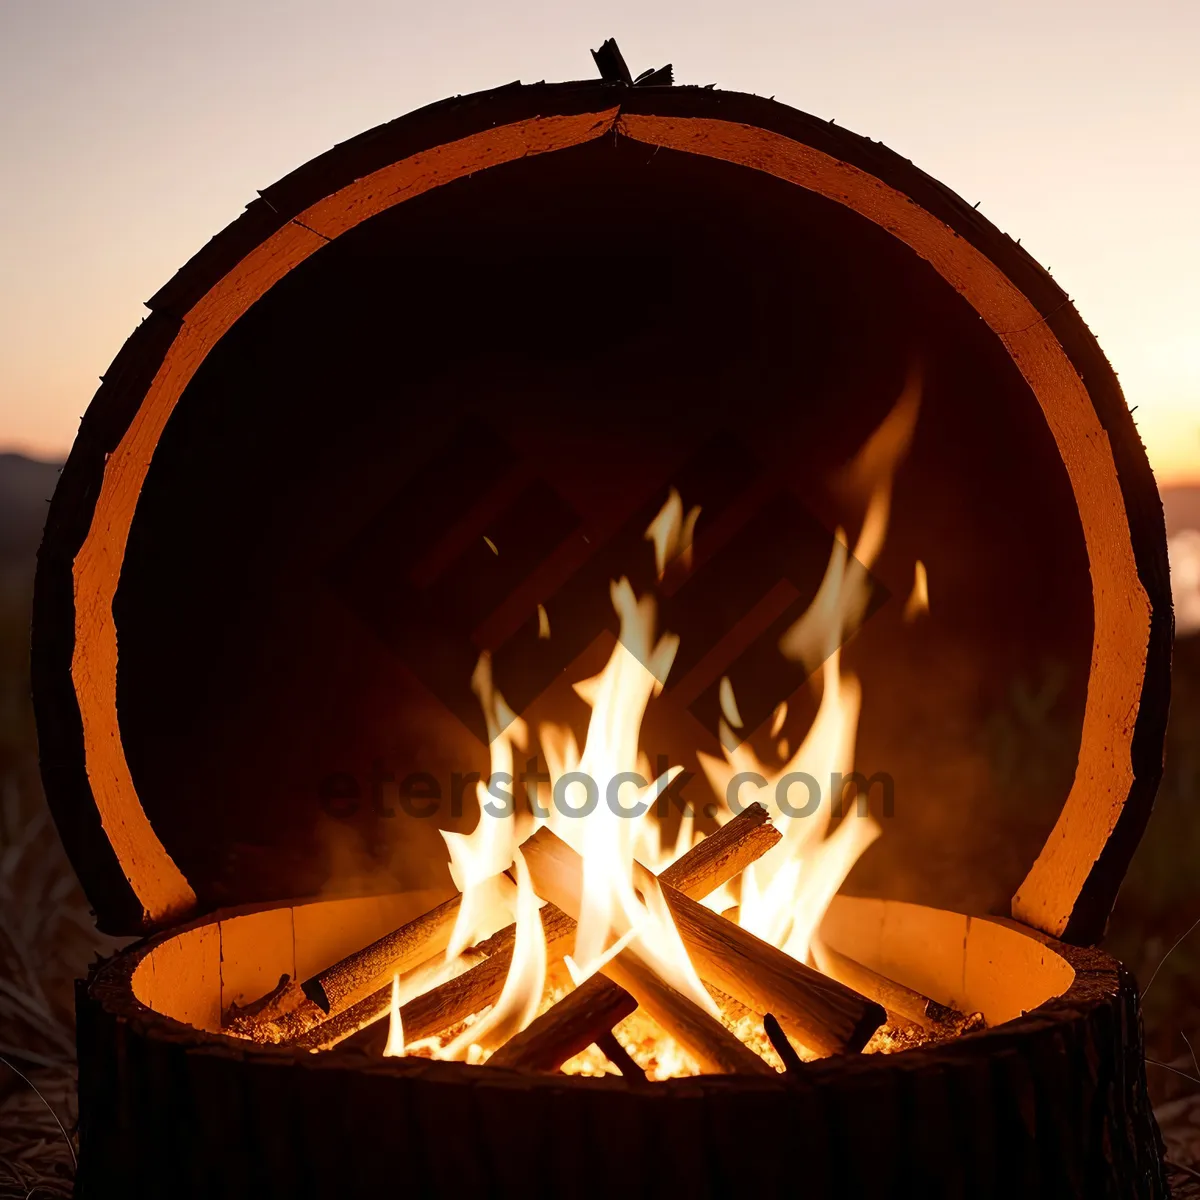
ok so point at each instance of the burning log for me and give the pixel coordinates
(571, 1025)
(290, 1011)
(449, 1002)
(715, 1049)
(703, 869)
(823, 1014)
(901, 1003)
(365, 971)
(557, 875)
(723, 855)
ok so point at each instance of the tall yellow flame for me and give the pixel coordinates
(612, 765)
(784, 895)
(478, 859)
(518, 1002)
(602, 796)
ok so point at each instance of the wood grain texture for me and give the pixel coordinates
(557, 875)
(450, 1002)
(900, 1002)
(722, 855)
(367, 970)
(566, 1028)
(821, 1013)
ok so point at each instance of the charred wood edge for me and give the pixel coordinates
(900, 1002)
(124, 385)
(610, 62)
(566, 1028)
(1143, 506)
(701, 870)
(264, 1007)
(357, 975)
(1098, 977)
(792, 1065)
(610, 1046)
(821, 1013)
(1095, 1024)
(656, 77)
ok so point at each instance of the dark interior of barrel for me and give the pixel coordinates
(534, 355)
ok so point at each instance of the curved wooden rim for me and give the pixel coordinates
(1072, 885)
(1098, 979)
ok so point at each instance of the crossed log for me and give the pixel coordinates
(820, 1013)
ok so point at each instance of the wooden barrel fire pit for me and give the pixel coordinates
(423, 401)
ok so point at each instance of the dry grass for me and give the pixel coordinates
(47, 939)
(1160, 900)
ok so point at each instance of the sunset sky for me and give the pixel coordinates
(132, 130)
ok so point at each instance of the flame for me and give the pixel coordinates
(776, 887)
(521, 996)
(395, 1038)
(918, 599)
(478, 859)
(842, 598)
(605, 839)
(785, 893)
(672, 533)
(415, 983)
(602, 796)
(778, 717)
(729, 708)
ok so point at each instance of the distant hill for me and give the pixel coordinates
(26, 486)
